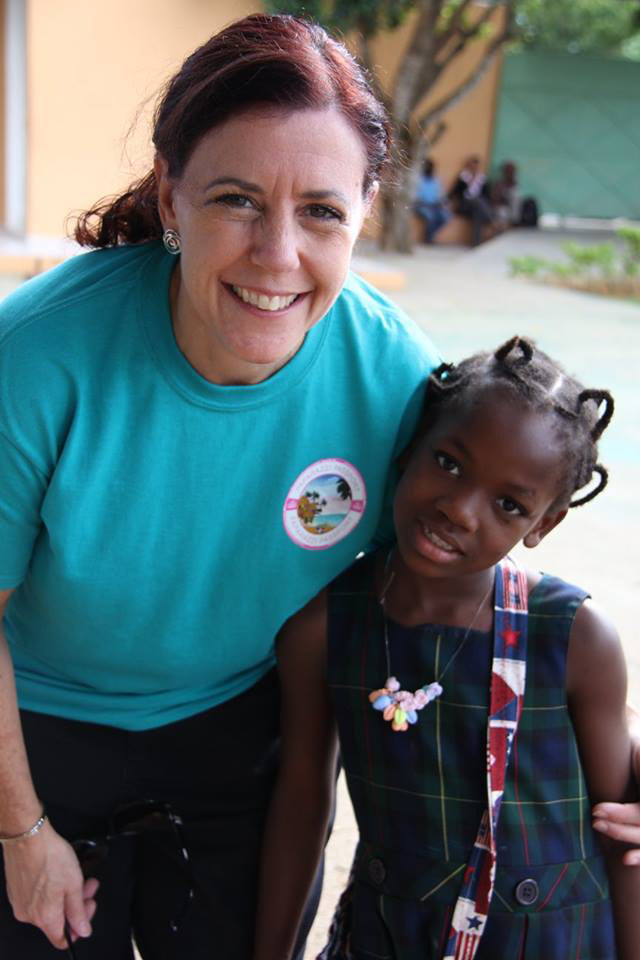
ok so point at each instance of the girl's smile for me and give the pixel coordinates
(483, 478)
(433, 545)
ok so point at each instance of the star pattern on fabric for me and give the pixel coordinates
(510, 637)
(474, 923)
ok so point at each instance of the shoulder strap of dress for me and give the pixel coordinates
(508, 675)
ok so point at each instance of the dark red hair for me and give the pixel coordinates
(272, 60)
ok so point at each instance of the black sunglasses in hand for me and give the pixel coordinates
(132, 820)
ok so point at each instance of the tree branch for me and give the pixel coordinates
(421, 50)
(432, 138)
(452, 28)
(447, 102)
(465, 36)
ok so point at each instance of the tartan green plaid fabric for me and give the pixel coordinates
(418, 796)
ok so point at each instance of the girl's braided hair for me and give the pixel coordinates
(542, 384)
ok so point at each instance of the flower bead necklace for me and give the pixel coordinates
(401, 707)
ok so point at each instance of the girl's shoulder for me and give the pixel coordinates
(552, 596)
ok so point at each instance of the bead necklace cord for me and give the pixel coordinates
(401, 707)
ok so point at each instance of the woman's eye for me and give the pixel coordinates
(511, 506)
(237, 201)
(320, 211)
(447, 463)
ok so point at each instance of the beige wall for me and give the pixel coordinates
(91, 65)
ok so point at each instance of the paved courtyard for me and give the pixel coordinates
(466, 301)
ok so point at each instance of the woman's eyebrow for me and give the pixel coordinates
(236, 182)
(325, 195)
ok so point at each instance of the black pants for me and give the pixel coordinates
(216, 770)
(479, 211)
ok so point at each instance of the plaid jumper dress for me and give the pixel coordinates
(419, 796)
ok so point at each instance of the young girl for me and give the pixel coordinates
(480, 708)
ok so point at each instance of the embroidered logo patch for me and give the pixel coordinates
(325, 504)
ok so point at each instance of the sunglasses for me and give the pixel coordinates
(132, 820)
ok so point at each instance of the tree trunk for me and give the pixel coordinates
(398, 197)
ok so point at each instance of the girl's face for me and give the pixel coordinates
(268, 209)
(478, 482)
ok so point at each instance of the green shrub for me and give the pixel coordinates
(631, 250)
(562, 269)
(527, 266)
(599, 256)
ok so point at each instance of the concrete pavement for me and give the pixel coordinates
(466, 301)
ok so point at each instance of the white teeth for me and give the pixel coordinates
(437, 541)
(262, 301)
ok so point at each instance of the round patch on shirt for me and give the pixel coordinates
(325, 504)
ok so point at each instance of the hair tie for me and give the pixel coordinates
(443, 371)
(604, 478)
(598, 396)
(526, 351)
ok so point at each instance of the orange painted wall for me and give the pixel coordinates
(92, 67)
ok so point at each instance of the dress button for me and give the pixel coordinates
(527, 892)
(377, 872)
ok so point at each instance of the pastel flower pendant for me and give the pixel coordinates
(400, 707)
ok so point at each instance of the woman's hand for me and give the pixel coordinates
(621, 821)
(45, 886)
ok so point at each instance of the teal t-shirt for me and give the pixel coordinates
(159, 528)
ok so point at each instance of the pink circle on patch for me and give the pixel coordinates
(324, 504)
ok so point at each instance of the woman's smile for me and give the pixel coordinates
(265, 302)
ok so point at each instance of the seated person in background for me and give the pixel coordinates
(511, 209)
(470, 198)
(431, 204)
(505, 196)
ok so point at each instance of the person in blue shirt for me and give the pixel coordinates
(431, 203)
(199, 422)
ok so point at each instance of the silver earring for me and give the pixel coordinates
(172, 242)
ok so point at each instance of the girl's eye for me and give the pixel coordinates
(511, 506)
(320, 211)
(447, 463)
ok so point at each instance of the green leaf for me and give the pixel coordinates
(577, 26)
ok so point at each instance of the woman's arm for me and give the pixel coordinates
(301, 803)
(621, 821)
(44, 880)
(597, 690)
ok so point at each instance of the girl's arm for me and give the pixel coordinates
(296, 827)
(597, 690)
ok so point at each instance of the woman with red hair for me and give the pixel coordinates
(198, 425)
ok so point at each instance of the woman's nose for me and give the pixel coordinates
(275, 244)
